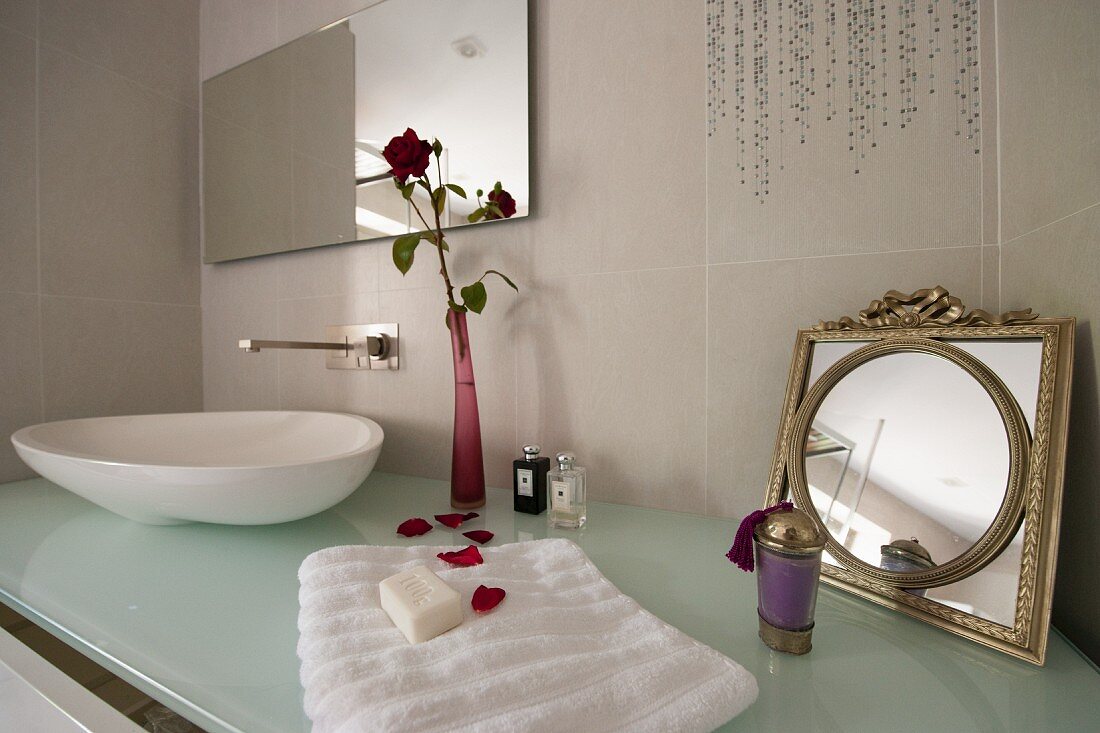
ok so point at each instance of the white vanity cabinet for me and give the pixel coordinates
(36, 697)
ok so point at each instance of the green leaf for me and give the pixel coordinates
(457, 189)
(439, 199)
(494, 209)
(407, 190)
(429, 236)
(437, 148)
(474, 296)
(476, 215)
(503, 277)
(403, 249)
(457, 309)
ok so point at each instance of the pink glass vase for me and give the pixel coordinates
(467, 465)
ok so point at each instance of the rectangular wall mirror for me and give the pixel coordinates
(292, 140)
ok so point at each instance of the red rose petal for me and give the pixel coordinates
(467, 556)
(480, 536)
(414, 527)
(486, 599)
(453, 520)
(450, 520)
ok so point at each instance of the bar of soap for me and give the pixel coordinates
(420, 604)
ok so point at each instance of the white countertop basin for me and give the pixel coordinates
(221, 467)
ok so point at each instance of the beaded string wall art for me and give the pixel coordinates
(872, 66)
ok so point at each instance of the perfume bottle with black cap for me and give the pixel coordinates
(529, 481)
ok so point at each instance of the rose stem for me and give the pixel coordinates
(439, 246)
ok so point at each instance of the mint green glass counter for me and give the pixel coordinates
(202, 617)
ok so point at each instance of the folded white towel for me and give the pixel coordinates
(565, 651)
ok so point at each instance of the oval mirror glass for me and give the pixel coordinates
(907, 461)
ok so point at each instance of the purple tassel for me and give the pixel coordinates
(741, 552)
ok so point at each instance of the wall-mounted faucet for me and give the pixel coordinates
(373, 346)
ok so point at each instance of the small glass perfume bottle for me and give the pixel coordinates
(568, 506)
(529, 481)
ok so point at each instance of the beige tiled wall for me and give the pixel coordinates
(657, 315)
(652, 332)
(1050, 222)
(99, 278)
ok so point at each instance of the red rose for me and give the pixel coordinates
(504, 202)
(407, 155)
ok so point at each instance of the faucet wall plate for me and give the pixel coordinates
(357, 358)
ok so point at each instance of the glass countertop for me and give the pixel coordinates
(203, 617)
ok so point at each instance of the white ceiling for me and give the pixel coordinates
(943, 448)
(408, 75)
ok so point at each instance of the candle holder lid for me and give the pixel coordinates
(791, 531)
(909, 550)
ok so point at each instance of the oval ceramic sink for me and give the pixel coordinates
(222, 467)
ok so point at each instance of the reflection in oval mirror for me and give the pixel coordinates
(907, 461)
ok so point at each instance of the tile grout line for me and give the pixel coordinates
(706, 390)
(995, 161)
(997, 106)
(981, 173)
(278, 358)
(662, 269)
(1052, 223)
(999, 258)
(202, 228)
(18, 32)
(515, 390)
(38, 220)
(120, 300)
(566, 276)
(120, 75)
(706, 300)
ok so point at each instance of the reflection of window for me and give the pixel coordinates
(370, 166)
(865, 538)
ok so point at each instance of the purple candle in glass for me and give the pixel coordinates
(786, 588)
(788, 546)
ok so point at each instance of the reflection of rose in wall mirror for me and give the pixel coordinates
(928, 442)
(292, 140)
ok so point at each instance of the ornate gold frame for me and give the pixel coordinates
(921, 322)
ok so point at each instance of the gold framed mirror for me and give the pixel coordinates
(929, 444)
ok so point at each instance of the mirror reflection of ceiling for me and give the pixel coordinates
(1017, 367)
(292, 140)
(928, 447)
(456, 71)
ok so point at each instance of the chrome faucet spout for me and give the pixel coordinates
(254, 345)
(373, 346)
